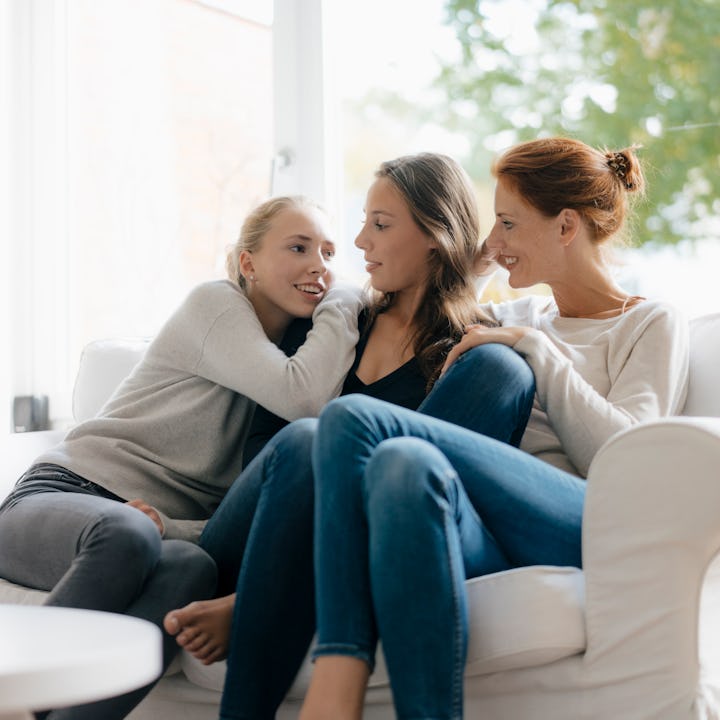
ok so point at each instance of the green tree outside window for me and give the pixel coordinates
(609, 72)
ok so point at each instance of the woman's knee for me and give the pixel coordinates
(345, 410)
(404, 473)
(125, 536)
(288, 466)
(497, 363)
(297, 437)
(194, 569)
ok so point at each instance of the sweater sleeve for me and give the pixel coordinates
(237, 354)
(648, 379)
(175, 529)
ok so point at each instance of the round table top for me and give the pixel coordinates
(54, 657)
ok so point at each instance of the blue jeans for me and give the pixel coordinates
(64, 534)
(261, 536)
(261, 540)
(408, 507)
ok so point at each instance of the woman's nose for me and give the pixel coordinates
(321, 267)
(360, 240)
(493, 240)
(319, 263)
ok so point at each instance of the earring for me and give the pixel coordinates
(251, 278)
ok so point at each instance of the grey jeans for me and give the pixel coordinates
(66, 535)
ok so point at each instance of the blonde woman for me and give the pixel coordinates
(109, 519)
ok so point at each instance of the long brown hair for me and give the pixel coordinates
(442, 202)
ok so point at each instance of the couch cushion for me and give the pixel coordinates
(104, 364)
(525, 617)
(12, 594)
(518, 618)
(704, 388)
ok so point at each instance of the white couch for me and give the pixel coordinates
(634, 636)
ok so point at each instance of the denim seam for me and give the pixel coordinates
(457, 669)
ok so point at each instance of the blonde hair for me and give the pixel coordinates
(557, 173)
(255, 227)
(442, 202)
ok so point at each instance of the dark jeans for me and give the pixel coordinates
(65, 535)
(261, 536)
(406, 508)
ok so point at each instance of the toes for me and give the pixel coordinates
(187, 636)
(171, 623)
(197, 644)
(178, 619)
(217, 654)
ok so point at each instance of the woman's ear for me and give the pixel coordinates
(569, 225)
(245, 264)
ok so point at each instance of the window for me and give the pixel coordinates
(387, 60)
(142, 132)
(139, 132)
(383, 59)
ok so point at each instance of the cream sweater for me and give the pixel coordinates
(173, 432)
(596, 377)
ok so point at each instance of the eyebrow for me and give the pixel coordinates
(308, 239)
(379, 212)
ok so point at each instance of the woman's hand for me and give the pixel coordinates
(481, 335)
(150, 511)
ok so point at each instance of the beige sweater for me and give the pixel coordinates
(596, 377)
(173, 432)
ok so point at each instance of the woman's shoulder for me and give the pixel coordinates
(525, 310)
(216, 297)
(650, 306)
(205, 306)
(663, 317)
(212, 289)
(650, 310)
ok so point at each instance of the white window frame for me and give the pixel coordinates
(308, 157)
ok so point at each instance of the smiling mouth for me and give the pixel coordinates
(508, 260)
(311, 289)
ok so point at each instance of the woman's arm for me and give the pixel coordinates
(648, 380)
(236, 353)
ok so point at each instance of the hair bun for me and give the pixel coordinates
(621, 164)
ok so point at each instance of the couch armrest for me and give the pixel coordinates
(651, 532)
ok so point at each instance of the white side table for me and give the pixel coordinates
(54, 657)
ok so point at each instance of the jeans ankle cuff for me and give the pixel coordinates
(346, 650)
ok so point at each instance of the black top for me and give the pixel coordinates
(406, 386)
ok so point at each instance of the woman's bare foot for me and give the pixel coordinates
(203, 627)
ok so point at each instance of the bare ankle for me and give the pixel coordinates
(337, 689)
